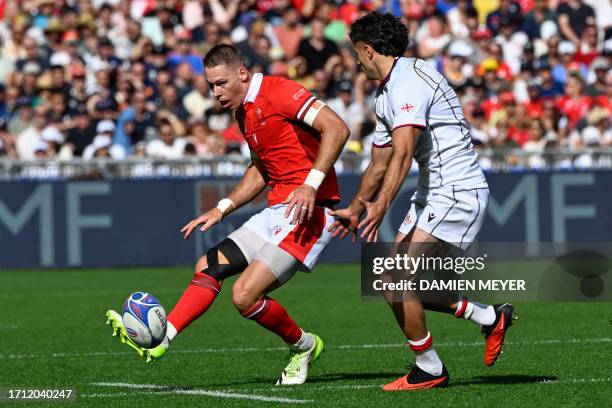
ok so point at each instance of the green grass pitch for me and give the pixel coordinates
(52, 335)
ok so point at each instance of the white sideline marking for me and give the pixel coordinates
(341, 347)
(209, 393)
(577, 381)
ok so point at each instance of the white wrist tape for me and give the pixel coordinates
(312, 112)
(315, 178)
(224, 204)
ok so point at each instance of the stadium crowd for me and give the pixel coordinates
(110, 78)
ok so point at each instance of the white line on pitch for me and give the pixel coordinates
(576, 381)
(209, 393)
(341, 347)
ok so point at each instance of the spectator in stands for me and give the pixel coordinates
(574, 16)
(290, 32)
(168, 146)
(549, 87)
(198, 100)
(317, 49)
(600, 68)
(567, 64)
(40, 151)
(432, 38)
(28, 139)
(456, 68)
(184, 54)
(217, 119)
(54, 139)
(508, 10)
(171, 102)
(81, 135)
(32, 55)
(350, 110)
(7, 142)
(574, 105)
(533, 20)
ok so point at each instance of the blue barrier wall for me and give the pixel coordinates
(136, 222)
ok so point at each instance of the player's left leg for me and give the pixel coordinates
(428, 372)
(249, 295)
(289, 248)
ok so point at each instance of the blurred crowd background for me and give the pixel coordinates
(100, 78)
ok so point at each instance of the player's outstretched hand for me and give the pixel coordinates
(346, 221)
(303, 199)
(208, 219)
(375, 213)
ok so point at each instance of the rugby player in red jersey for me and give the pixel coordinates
(294, 140)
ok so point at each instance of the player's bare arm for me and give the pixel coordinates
(250, 185)
(334, 134)
(404, 139)
(371, 180)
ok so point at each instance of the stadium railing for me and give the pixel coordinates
(499, 160)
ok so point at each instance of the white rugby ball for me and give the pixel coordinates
(144, 319)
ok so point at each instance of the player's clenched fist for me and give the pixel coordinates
(207, 220)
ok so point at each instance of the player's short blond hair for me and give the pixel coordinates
(223, 54)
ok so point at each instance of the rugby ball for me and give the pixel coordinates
(144, 319)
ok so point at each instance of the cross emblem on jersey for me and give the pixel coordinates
(407, 107)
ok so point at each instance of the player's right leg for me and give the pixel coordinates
(463, 215)
(220, 262)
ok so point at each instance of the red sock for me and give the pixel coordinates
(271, 315)
(196, 299)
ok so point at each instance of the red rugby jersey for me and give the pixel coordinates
(271, 120)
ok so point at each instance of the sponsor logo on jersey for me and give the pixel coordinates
(408, 220)
(298, 94)
(431, 217)
(278, 230)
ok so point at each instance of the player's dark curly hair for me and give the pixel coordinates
(385, 33)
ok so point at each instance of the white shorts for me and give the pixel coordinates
(305, 242)
(452, 214)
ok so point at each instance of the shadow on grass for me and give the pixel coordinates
(352, 376)
(385, 377)
(512, 379)
(314, 379)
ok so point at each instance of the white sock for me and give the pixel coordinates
(306, 342)
(427, 360)
(483, 315)
(170, 334)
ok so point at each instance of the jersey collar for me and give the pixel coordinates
(254, 87)
(386, 79)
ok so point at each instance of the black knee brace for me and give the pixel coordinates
(236, 260)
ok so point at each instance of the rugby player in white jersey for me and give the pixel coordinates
(419, 116)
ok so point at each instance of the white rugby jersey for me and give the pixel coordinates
(415, 94)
